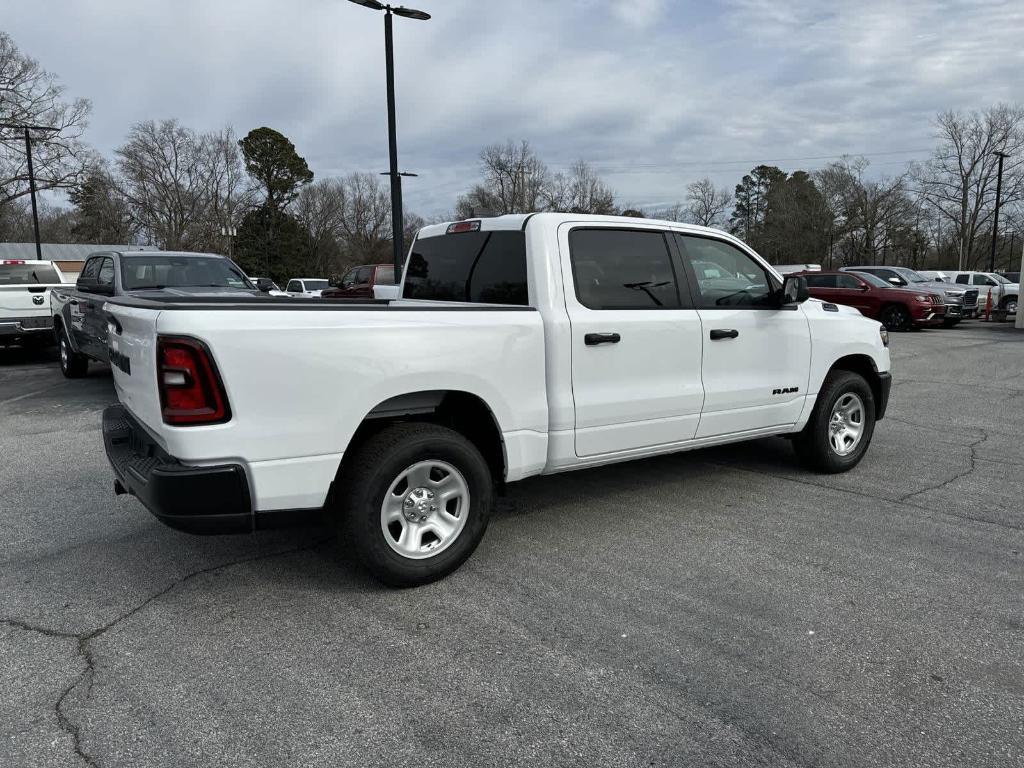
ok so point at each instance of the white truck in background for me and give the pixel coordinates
(25, 286)
(521, 345)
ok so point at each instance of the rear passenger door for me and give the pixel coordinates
(757, 356)
(635, 339)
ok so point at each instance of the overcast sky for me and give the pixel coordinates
(653, 93)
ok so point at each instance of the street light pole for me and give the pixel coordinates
(995, 217)
(397, 222)
(396, 181)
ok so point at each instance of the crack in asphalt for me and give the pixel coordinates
(974, 465)
(83, 640)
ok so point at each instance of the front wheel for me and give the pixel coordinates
(1010, 305)
(72, 364)
(417, 500)
(895, 317)
(841, 425)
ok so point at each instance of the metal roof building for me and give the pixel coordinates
(63, 251)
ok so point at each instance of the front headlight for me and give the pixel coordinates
(919, 297)
(954, 294)
(884, 334)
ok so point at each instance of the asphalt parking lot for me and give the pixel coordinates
(716, 608)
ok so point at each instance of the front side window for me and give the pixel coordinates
(622, 269)
(848, 282)
(294, 286)
(348, 279)
(106, 274)
(479, 267)
(92, 266)
(726, 277)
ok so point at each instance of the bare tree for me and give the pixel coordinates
(31, 95)
(321, 207)
(182, 187)
(580, 191)
(869, 211)
(960, 179)
(515, 181)
(705, 204)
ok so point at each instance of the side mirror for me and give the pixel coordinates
(265, 284)
(794, 290)
(84, 284)
(863, 287)
(103, 289)
(386, 292)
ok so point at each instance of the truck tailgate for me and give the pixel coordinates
(24, 301)
(131, 342)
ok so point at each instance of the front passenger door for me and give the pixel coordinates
(756, 356)
(94, 325)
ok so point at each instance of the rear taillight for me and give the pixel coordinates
(191, 391)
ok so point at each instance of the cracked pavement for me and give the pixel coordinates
(721, 607)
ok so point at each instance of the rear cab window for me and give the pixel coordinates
(27, 274)
(484, 267)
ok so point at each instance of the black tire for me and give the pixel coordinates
(895, 317)
(1009, 304)
(813, 444)
(367, 476)
(72, 364)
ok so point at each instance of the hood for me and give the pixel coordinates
(193, 291)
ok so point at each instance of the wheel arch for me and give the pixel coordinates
(863, 365)
(465, 412)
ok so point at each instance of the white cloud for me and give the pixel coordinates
(654, 93)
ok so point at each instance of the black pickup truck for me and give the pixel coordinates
(79, 321)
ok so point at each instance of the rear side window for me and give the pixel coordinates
(479, 267)
(622, 269)
(820, 281)
(27, 274)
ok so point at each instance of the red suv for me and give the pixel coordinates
(896, 308)
(358, 282)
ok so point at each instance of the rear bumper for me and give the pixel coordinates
(26, 326)
(882, 401)
(192, 499)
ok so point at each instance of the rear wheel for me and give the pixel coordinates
(895, 317)
(72, 364)
(841, 425)
(417, 500)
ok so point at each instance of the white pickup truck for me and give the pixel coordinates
(521, 345)
(25, 286)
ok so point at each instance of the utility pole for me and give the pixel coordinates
(995, 218)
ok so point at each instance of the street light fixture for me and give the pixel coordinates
(31, 175)
(396, 177)
(995, 218)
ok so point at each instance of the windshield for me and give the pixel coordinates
(998, 278)
(912, 277)
(875, 280)
(315, 285)
(140, 273)
(27, 274)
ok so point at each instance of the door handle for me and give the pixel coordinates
(723, 333)
(593, 339)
